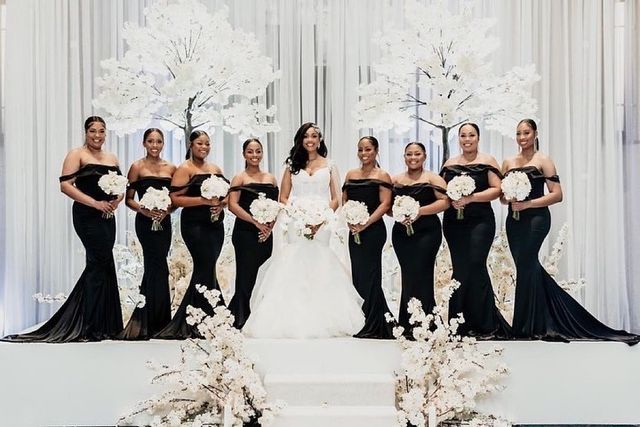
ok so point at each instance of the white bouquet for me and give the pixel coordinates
(112, 184)
(214, 186)
(404, 208)
(458, 187)
(264, 210)
(309, 213)
(356, 213)
(516, 186)
(156, 199)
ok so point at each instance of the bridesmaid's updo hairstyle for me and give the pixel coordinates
(298, 156)
(149, 132)
(532, 124)
(473, 125)
(194, 135)
(419, 144)
(374, 141)
(91, 120)
(246, 143)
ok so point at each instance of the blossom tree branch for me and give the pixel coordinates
(188, 68)
(437, 57)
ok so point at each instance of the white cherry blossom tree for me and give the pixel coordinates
(187, 68)
(436, 71)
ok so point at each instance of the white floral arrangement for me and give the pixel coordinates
(113, 184)
(356, 213)
(551, 263)
(309, 213)
(502, 271)
(129, 271)
(213, 382)
(214, 187)
(50, 299)
(158, 199)
(516, 186)
(442, 374)
(459, 187)
(405, 208)
(264, 210)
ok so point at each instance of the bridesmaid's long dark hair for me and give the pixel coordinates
(532, 124)
(298, 156)
(194, 135)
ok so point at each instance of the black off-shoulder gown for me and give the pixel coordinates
(366, 260)
(417, 253)
(250, 252)
(148, 320)
(543, 310)
(204, 240)
(92, 311)
(469, 241)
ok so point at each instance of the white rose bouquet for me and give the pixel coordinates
(356, 213)
(113, 184)
(214, 187)
(458, 187)
(309, 213)
(405, 208)
(264, 210)
(516, 186)
(156, 199)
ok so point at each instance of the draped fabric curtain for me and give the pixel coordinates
(631, 144)
(324, 50)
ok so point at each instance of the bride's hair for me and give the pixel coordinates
(298, 156)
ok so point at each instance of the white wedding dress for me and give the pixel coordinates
(303, 290)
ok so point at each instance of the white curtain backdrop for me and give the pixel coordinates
(324, 50)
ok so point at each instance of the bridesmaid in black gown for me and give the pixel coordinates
(151, 172)
(92, 310)
(252, 241)
(372, 186)
(202, 236)
(470, 239)
(417, 253)
(542, 309)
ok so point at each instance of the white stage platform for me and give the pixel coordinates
(326, 382)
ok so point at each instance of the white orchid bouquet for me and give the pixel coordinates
(405, 208)
(158, 199)
(308, 214)
(214, 187)
(265, 210)
(442, 374)
(356, 213)
(516, 186)
(459, 187)
(213, 381)
(112, 184)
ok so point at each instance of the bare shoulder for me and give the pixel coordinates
(488, 159)
(384, 176)
(238, 179)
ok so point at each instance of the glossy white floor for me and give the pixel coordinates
(326, 382)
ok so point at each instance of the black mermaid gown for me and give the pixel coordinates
(148, 320)
(417, 253)
(92, 311)
(366, 260)
(204, 240)
(250, 253)
(543, 310)
(469, 241)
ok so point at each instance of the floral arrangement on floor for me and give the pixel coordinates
(442, 374)
(213, 382)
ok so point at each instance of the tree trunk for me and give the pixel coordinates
(445, 144)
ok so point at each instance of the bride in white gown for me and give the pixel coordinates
(303, 290)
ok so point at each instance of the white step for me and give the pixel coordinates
(336, 416)
(331, 356)
(331, 389)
